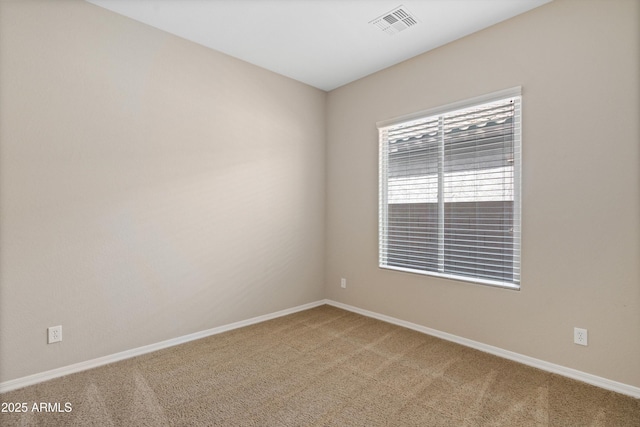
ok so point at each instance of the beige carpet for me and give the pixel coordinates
(321, 367)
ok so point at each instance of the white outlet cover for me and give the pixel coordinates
(580, 336)
(54, 334)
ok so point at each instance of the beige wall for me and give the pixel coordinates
(578, 64)
(149, 187)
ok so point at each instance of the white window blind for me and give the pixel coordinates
(450, 191)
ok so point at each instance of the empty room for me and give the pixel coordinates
(315, 213)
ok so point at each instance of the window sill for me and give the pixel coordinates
(477, 281)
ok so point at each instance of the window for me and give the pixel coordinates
(450, 191)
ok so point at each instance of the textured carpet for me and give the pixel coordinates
(320, 367)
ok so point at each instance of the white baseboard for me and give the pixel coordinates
(520, 358)
(94, 363)
(607, 384)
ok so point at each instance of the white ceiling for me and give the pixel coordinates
(324, 43)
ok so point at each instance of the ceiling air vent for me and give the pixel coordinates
(396, 20)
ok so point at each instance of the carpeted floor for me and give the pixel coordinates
(320, 367)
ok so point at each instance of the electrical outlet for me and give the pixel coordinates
(343, 283)
(55, 334)
(580, 336)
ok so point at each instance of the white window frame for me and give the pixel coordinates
(516, 94)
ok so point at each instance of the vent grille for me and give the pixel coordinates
(394, 21)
